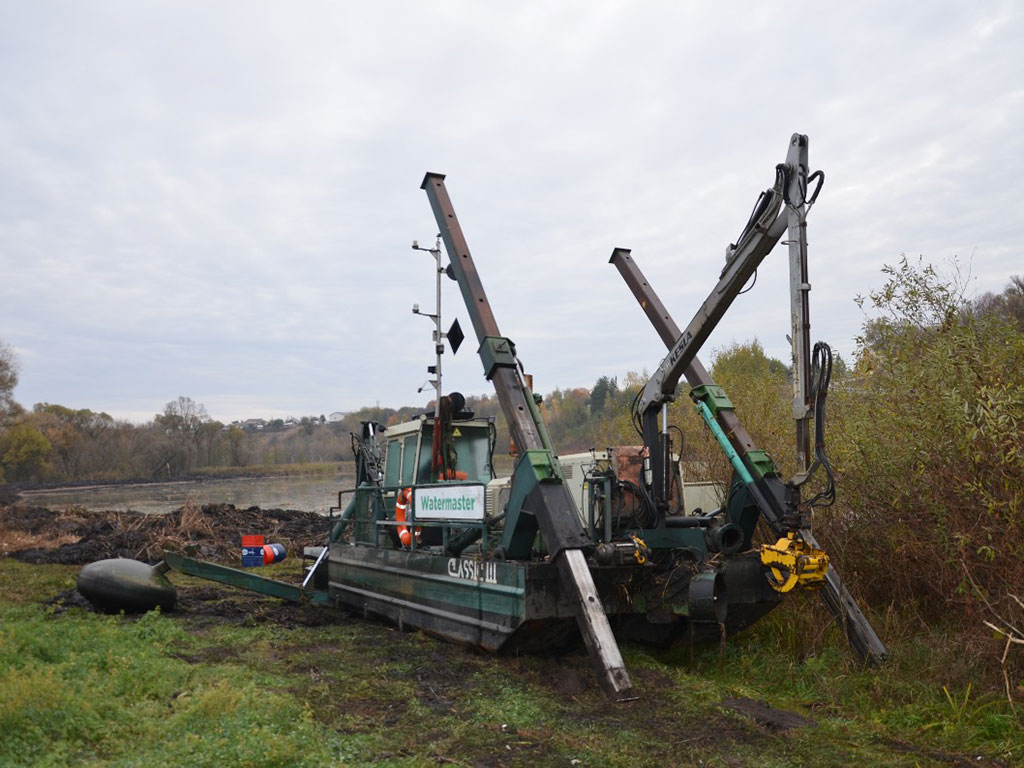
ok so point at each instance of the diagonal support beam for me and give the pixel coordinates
(549, 502)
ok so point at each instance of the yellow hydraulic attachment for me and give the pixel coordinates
(792, 562)
(642, 551)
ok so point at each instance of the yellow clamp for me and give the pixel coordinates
(641, 549)
(791, 562)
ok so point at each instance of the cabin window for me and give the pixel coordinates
(392, 464)
(473, 448)
(423, 474)
(409, 460)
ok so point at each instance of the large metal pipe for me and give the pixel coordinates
(350, 508)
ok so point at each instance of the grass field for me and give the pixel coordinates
(240, 680)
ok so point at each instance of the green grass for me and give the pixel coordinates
(78, 688)
(83, 688)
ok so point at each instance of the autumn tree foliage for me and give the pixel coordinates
(23, 451)
(9, 409)
(929, 448)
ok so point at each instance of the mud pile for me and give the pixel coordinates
(76, 536)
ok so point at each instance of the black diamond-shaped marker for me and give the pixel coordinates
(455, 336)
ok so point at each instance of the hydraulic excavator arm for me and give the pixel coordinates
(794, 559)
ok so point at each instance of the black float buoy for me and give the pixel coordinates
(127, 585)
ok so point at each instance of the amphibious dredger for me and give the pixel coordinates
(430, 538)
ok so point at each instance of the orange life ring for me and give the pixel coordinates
(402, 501)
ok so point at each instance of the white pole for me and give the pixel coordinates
(437, 334)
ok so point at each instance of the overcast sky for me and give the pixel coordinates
(217, 200)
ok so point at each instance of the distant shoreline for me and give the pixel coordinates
(324, 469)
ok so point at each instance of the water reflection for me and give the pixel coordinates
(312, 494)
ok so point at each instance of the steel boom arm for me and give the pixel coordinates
(742, 263)
(542, 499)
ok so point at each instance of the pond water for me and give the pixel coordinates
(311, 494)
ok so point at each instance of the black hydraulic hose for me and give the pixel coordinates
(634, 413)
(821, 376)
(492, 441)
(649, 510)
(764, 204)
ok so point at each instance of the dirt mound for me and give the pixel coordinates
(69, 598)
(213, 531)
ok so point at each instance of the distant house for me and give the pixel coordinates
(291, 421)
(336, 417)
(254, 424)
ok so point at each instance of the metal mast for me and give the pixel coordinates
(436, 317)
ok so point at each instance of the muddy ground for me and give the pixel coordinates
(77, 536)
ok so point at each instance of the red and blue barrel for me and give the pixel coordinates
(255, 553)
(273, 553)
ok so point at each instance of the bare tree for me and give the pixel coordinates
(183, 415)
(1009, 304)
(182, 422)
